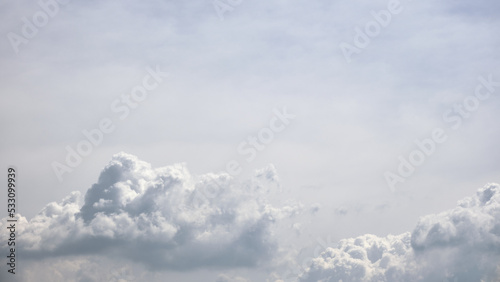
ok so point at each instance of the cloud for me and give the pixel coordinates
(227, 278)
(161, 217)
(462, 244)
(77, 269)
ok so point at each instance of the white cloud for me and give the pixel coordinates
(164, 218)
(462, 244)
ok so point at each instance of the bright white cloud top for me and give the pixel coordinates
(163, 218)
(462, 244)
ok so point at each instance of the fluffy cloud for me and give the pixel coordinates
(164, 218)
(462, 244)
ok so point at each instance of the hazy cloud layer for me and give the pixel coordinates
(77, 269)
(164, 218)
(462, 244)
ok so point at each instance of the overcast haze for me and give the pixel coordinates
(245, 138)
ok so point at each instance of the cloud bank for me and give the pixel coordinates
(166, 218)
(163, 218)
(462, 244)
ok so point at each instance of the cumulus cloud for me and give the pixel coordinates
(462, 244)
(162, 217)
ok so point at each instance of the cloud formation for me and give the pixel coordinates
(164, 218)
(462, 244)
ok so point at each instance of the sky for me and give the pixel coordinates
(236, 140)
